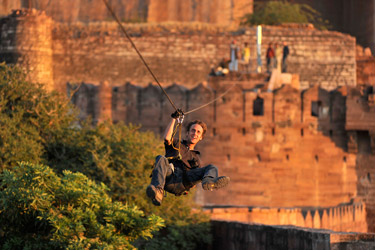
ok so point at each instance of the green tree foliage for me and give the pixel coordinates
(41, 210)
(278, 12)
(122, 157)
(41, 127)
(29, 117)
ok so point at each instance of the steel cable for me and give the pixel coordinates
(139, 54)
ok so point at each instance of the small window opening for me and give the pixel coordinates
(316, 158)
(370, 90)
(273, 131)
(369, 177)
(315, 108)
(344, 159)
(302, 132)
(287, 157)
(214, 131)
(228, 157)
(243, 131)
(258, 106)
(258, 157)
(364, 142)
(330, 133)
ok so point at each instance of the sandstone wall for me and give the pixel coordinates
(258, 152)
(234, 235)
(26, 40)
(184, 53)
(225, 12)
(82, 10)
(342, 218)
(181, 53)
(360, 124)
(366, 71)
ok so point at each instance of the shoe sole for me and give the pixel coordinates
(152, 194)
(220, 183)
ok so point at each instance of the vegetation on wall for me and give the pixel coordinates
(42, 128)
(278, 12)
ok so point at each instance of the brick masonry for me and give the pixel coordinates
(26, 39)
(331, 164)
(179, 52)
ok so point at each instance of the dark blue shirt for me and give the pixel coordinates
(190, 159)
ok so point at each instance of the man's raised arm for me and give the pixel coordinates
(177, 115)
(169, 131)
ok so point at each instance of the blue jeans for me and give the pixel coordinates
(174, 181)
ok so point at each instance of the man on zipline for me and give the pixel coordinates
(177, 172)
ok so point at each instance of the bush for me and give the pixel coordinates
(122, 157)
(278, 12)
(42, 128)
(29, 117)
(43, 211)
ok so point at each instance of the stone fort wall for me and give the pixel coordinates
(305, 149)
(178, 52)
(236, 235)
(259, 152)
(341, 218)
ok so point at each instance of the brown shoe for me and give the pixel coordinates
(155, 194)
(217, 183)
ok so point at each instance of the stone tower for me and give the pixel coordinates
(26, 40)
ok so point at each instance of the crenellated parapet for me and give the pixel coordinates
(343, 218)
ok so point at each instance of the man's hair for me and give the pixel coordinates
(199, 122)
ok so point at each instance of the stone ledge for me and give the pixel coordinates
(235, 235)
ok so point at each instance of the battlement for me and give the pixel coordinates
(341, 218)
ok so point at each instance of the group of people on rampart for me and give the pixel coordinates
(276, 57)
(239, 59)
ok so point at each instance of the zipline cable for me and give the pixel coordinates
(139, 54)
(148, 68)
(214, 100)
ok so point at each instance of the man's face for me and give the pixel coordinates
(194, 135)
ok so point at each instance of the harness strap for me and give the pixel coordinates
(179, 128)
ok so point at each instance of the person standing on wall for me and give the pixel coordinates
(270, 55)
(278, 57)
(180, 169)
(246, 57)
(285, 57)
(233, 65)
